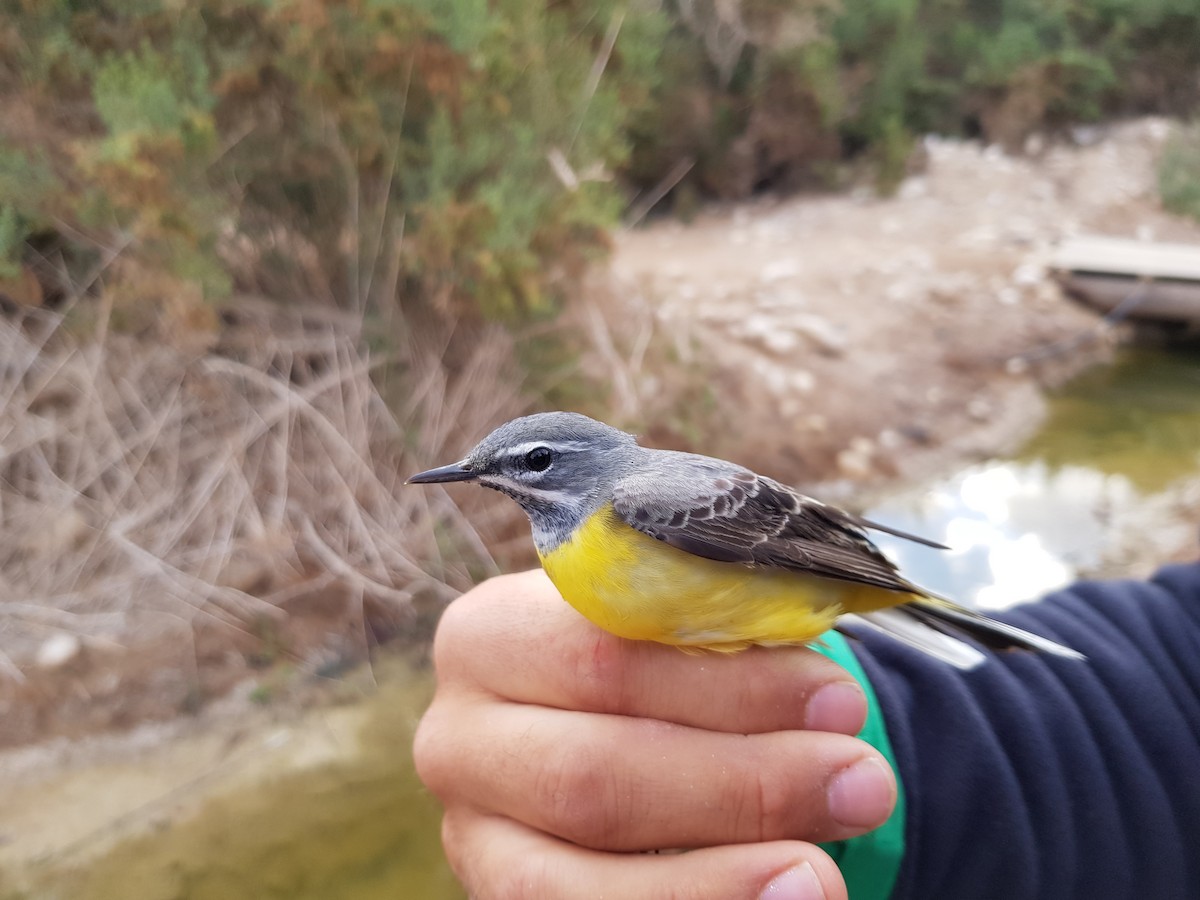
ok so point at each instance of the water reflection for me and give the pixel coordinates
(335, 812)
(1016, 530)
(1024, 526)
(1139, 418)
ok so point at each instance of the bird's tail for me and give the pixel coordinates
(935, 626)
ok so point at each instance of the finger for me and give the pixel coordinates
(498, 859)
(566, 662)
(622, 783)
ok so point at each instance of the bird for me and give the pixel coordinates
(704, 554)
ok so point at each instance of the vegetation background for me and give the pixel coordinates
(468, 158)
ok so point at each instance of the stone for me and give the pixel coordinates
(58, 650)
(827, 337)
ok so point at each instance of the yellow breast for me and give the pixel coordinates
(637, 587)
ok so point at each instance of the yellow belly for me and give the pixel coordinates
(637, 587)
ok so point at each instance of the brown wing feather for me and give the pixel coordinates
(719, 511)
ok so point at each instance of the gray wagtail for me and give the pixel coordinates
(701, 553)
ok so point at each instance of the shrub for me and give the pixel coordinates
(364, 151)
(464, 157)
(817, 82)
(1179, 172)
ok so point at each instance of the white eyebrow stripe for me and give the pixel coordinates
(568, 446)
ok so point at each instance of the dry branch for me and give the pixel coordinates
(140, 486)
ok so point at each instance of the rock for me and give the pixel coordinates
(855, 462)
(58, 650)
(1008, 296)
(950, 288)
(1028, 274)
(918, 434)
(778, 270)
(913, 187)
(776, 298)
(816, 423)
(802, 381)
(780, 341)
(863, 445)
(979, 409)
(827, 337)
(889, 439)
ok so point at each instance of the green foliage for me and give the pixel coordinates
(818, 82)
(24, 183)
(468, 157)
(11, 236)
(1179, 172)
(369, 151)
(153, 92)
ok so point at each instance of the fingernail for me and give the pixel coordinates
(861, 796)
(797, 883)
(840, 706)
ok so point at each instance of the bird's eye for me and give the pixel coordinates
(538, 459)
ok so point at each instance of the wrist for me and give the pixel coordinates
(870, 863)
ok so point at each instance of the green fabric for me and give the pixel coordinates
(870, 863)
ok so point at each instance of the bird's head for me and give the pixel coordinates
(560, 467)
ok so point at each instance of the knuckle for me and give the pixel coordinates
(455, 635)
(691, 891)
(765, 801)
(522, 879)
(452, 844)
(776, 807)
(485, 874)
(430, 750)
(575, 795)
(599, 673)
(476, 629)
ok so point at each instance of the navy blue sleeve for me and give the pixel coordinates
(1037, 777)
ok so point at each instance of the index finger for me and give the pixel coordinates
(516, 638)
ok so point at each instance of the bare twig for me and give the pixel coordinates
(133, 481)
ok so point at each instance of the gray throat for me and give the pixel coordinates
(552, 522)
(551, 527)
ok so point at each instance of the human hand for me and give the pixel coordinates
(559, 752)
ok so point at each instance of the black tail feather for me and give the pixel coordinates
(958, 621)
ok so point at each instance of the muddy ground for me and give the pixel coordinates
(848, 341)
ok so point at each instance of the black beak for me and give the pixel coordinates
(453, 472)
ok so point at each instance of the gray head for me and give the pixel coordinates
(561, 468)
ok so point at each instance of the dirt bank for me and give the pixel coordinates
(866, 339)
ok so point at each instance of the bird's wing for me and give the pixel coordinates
(720, 511)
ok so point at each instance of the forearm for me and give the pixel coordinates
(1032, 777)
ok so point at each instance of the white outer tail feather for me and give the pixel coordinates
(919, 636)
(907, 629)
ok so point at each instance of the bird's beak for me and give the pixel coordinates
(454, 472)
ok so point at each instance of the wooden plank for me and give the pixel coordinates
(1167, 301)
(1136, 259)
